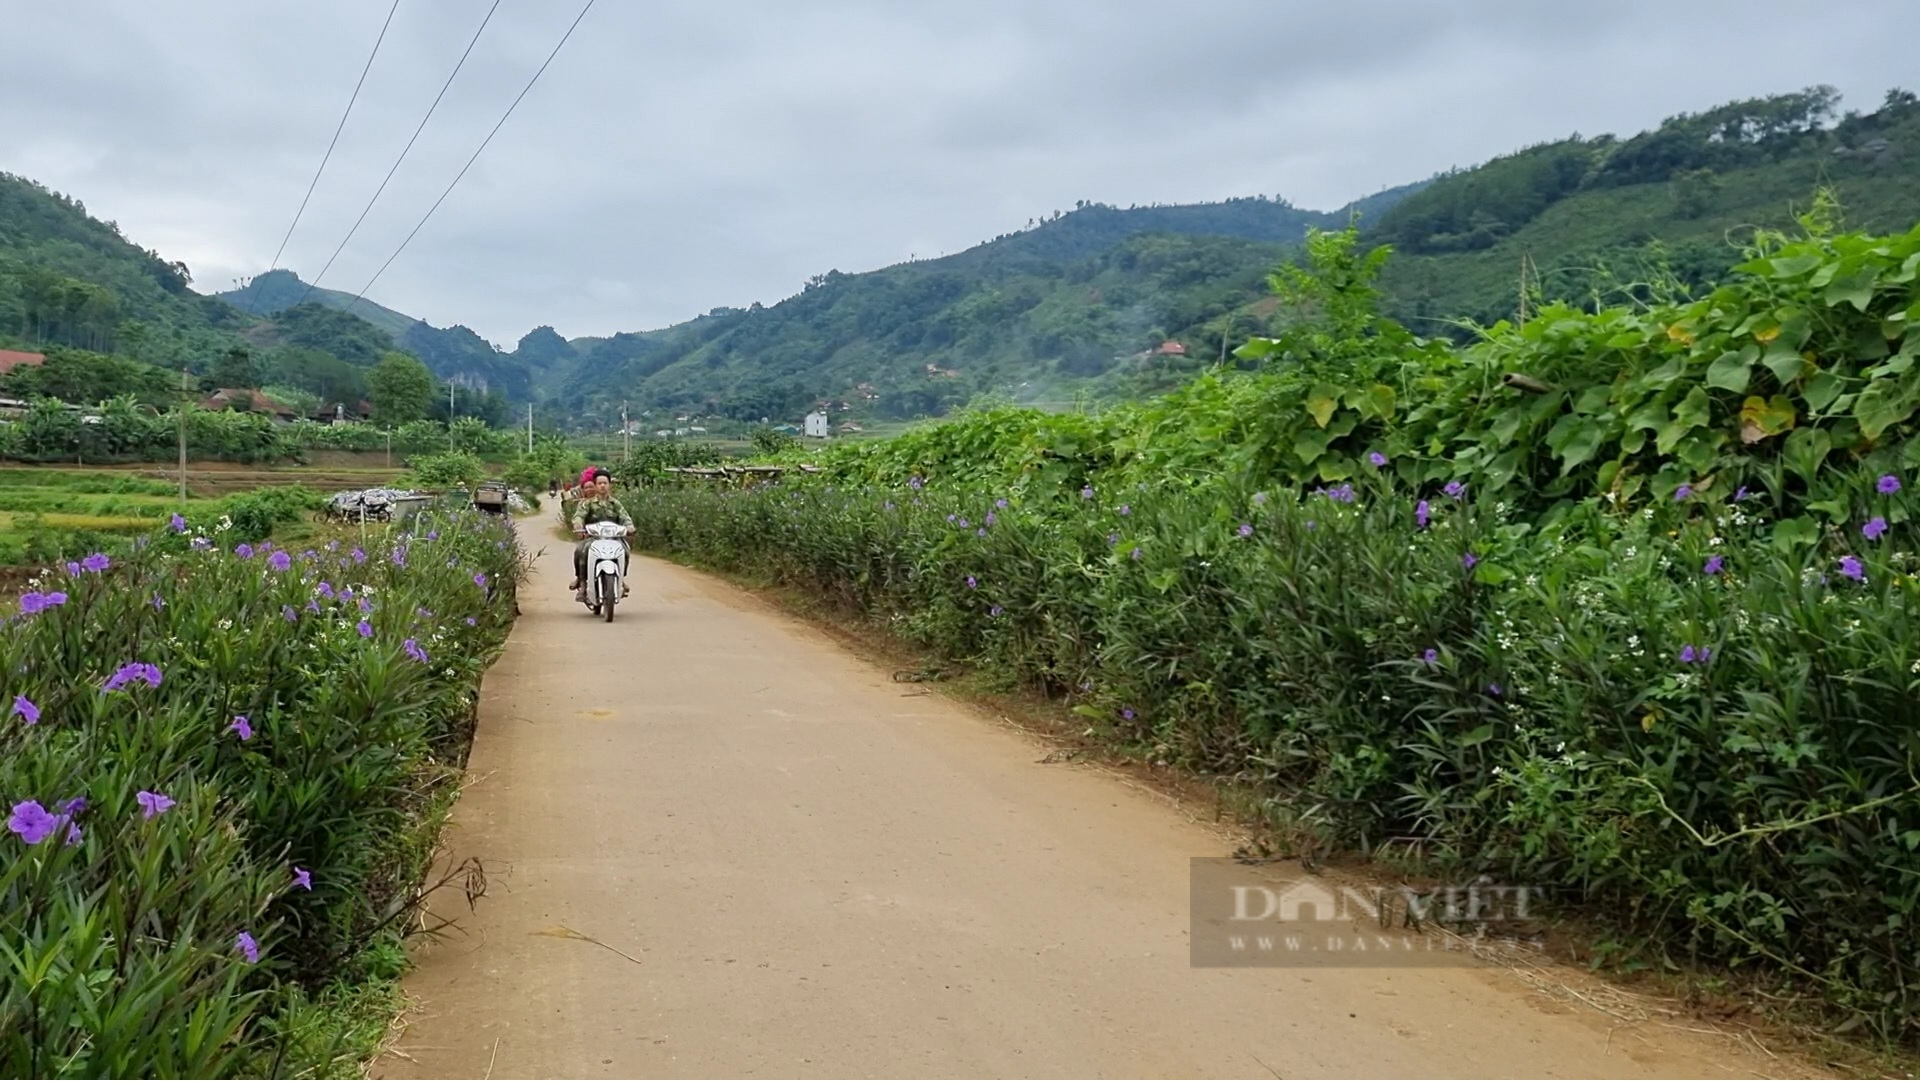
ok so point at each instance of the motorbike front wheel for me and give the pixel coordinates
(609, 592)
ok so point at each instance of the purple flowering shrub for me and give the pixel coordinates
(1564, 708)
(212, 784)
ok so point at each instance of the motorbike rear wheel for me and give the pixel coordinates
(609, 592)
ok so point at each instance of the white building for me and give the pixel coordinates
(817, 424)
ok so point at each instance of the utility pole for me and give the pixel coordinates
(529, 428)
(450, 414)
(626, 433)
(182, 411)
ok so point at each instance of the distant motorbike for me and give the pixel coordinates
(606, 551)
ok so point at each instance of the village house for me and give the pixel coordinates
(251, 401)
(11, 359)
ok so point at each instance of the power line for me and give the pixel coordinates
(476, 157)
(271, 267)
(311, 286)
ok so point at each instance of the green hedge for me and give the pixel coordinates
(218, 879)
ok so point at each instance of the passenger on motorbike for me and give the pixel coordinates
(597, 504)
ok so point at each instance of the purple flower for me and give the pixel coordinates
(1311, 524)
(291, 615)
(243, 550)
(1687, 654)
(131, 671)
(1850, 567)
(1377, 459)
(1469, 560)
(1715, 565)
(991, 518)
(279, 561)
(1431, 657)
(1874, 528)
(1741, 495)
(333, 546)
(96, 563)
(972, 583)
(915, 483)
(1135, 553)
(963, 523)
(1113, 539)
(1494, 690)
(433, 535)
(1246, 529)
(365, 605)
(982, 531)
(359, 555)
(888, 505)
(413, 650)
(325, 589)
(1422, 512)
(242, 727)
(1259, 497)
(177, 524)
(26, 710)
(365, 629)
(158, 602)
(471, 622)
(73, 568)
(1682, 492)
(1001, 503)
(1086, 493)
(151, 803)
(1126, 509)
(302, 878)
(32, 822)
(953, 518)
(1455, 489)
(399, 556)
(995, 611)
(1127, 713)
(480, 580)
(1888, 484)
(248, 947)
(1691, 656)
(312, 605)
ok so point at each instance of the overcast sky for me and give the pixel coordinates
(681, 156)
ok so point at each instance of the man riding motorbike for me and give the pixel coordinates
(597, 504)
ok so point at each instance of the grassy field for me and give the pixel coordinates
(41, 506)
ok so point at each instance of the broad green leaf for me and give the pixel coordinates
(1321, 404)
(1503, 466)
(1593, 400)
(1793, 266)
(1785, 362)
(1381, 399)
(1805, 450)
(1732, 370)
(1309, 445)
(1478, 736)
(1821, 390)
(1575, 439)
(1881, 406)
(1855, 288)
(1792, 533)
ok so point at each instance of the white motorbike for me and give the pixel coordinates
(606, 555)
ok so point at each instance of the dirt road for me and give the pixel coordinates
(794, 866)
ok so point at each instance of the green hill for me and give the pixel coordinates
(1084, 303)
(278, 290)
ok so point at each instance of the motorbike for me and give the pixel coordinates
(606, 551)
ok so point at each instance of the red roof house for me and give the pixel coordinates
(11, 359)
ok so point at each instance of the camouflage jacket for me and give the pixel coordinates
(600, 510)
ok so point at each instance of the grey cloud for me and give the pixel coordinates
(681, 156)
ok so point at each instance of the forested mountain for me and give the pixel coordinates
(278, 290)
(1099, 299)
(1115, 301)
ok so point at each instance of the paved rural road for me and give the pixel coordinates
(818, 872)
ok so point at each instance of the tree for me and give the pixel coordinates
(401, 389)
(234, 368)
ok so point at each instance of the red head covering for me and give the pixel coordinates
(587, 475)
